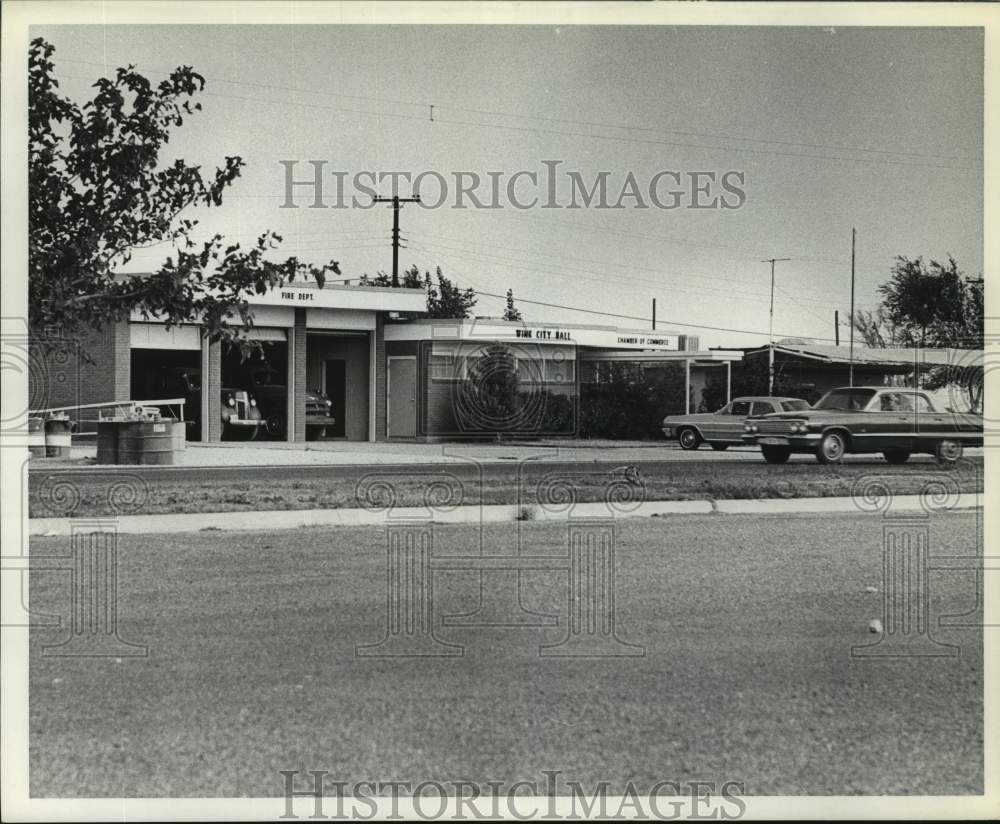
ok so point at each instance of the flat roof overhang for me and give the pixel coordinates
(700, 357)
(583, 336)
(308, 295)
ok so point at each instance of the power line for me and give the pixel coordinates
(644, 320)
(581, 274)
(591, 261)
(542, 118)
(612, 138)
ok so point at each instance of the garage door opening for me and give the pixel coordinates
(169, 373)
(263, 374)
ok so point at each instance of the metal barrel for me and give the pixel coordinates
(36, 437)
(179, 430)
(146, 443)
(58, 436)
(107, 441)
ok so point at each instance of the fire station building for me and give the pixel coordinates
(387, 371)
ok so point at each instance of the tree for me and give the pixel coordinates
(511, 312)
(97, 193)
(926, 303)
(489, 395)
(932, 305)
(448, 300)
(877, 330)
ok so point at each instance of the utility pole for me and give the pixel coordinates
(654, 313)
(836, 326)
(850, 360)
(770, 330)
(397, 204)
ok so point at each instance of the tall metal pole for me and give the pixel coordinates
(836, 326)
(770, 330)
(850, 382)
(396, 206)
(654, 313)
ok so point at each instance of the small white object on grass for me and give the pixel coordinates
(875, 626)
(871, 590)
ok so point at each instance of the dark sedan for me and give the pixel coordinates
(895, 421)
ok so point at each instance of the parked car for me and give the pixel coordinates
(271, 391)
(894, 421)
(241, 419)
(724, 428)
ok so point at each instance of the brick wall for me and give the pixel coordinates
(63, 376)
(380, 378)
(211, 383)
(297, 376)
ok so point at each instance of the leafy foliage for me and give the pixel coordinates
(877, 330)
(490, 390)
(627, 401)
(511, 312)
(444, 300)
(931, 305)
(97, 193)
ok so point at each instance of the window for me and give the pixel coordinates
(896, 402)
(923, 404)
(794, 406)
(559, 370)
(741, 408)
(443, 367)
(848, 400)
(763, 407)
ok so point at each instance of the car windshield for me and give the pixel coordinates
(849, 400)
(794, 406)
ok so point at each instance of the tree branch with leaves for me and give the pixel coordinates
(97, 194)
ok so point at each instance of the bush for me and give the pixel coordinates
(629, 401)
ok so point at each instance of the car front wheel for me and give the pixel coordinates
(688, 439)
(896, 456)
(948, 451)
(775, 454)
(831, 448)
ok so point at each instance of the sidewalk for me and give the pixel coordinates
(352, 453)
(279, 519)
(347, 453)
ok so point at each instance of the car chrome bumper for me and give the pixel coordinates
(243, 422)
(807, 440)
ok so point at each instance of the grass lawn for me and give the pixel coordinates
(748, 624)
(93, 494)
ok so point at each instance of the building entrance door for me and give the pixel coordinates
(402, 400)
(336, 391)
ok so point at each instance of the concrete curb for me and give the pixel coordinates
(278, 519)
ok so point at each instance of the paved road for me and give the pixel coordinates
(653, 462)
(747, 623)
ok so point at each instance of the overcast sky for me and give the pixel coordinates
(879, 129)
